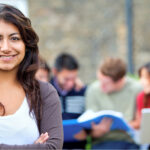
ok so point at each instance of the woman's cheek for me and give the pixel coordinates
(147, 90)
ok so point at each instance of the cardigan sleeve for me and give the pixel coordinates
(51, 122)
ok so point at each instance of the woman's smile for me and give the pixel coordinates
(7, 57)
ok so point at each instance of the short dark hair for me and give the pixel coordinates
(115, 68)
(66, 61)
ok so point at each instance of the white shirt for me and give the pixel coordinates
(19, 128)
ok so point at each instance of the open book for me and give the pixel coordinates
(90, 115)
(72, 127)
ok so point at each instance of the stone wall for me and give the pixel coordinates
(141, 32)
(90, 30)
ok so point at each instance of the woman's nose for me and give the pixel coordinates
(4, 45)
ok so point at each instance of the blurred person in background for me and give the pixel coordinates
(44, 71)
(113, 91)
(143, 98)
(71, 91)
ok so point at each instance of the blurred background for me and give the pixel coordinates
(91, 30)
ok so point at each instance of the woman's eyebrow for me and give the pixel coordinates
(14, 34)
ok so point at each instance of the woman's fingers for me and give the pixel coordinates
(42, 139)
(45, 138)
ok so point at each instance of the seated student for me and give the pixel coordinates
(113, 91)
(70, 89)
(44, 71)
(143, 99)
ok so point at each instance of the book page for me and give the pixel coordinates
(89, 114)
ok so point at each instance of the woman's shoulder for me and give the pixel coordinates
(45, 85)
(46, 89)
(140, 97)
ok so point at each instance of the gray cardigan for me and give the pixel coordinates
(51, 122)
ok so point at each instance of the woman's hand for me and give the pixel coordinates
(136, 122)
(42, 139)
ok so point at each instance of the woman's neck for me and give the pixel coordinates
(8, 77)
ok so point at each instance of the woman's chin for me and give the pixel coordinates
(7, 68)
(147, 91)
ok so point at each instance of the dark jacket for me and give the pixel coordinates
(72, 103)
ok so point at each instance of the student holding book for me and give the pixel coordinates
(30, 112)
(113, 91)
(70, 90)
(143, 98)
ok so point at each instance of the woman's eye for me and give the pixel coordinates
(15, 38)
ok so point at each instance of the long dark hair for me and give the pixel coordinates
(146, 96)
(29, 65)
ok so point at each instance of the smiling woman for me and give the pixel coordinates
(30, 115)
(12, 47)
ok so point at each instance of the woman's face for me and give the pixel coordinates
(42, 75)
(12, 47)
(145, 80)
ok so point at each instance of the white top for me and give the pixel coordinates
(19, 128)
